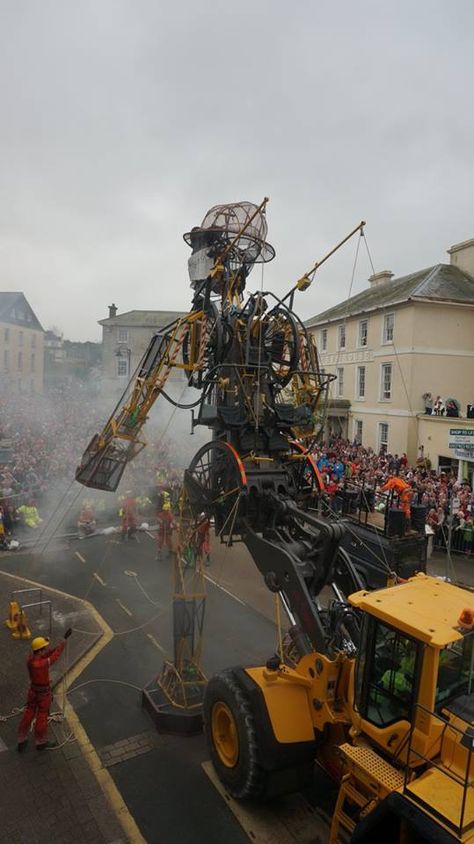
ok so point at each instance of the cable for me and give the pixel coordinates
(134, 575)
(16, 710)
(346, 524)
(397, 356)
(104, 680)
(346, 314)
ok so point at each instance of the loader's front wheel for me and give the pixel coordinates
(246, 755)
(232, 737)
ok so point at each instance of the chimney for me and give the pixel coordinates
(462, 256)
(112, 311)
(377, 278)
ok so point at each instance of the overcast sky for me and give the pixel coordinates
(123, 121)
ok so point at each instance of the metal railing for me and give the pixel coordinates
(462, 542)
(41, 603)
(22, 592)
(464, 782)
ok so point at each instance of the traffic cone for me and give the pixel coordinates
(22, 631)
(13, 615)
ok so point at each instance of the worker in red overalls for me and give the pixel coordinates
(40, 695)
(87, 521)
(165, 525)
(202, 537)
(128, 515)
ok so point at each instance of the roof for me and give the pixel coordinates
(143, 319)
(443, 282)
(16, 310)
(425, 608)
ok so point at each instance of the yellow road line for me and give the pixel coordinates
(79, 556)
(156, 643)
(123, 607)
(102, 775)
(294, 822)
(98, 577)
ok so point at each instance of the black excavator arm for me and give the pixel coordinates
(298, 555)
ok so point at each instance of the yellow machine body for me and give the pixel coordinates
(424, 757)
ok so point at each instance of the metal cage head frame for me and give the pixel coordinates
(224, 223)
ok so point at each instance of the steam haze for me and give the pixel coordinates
(123, 122)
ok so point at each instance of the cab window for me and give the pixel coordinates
(388, 688)
(455, 674)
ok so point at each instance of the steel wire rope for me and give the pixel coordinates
(61, 716)
(344, 322)
(339, 518)
(108, 546)
(400, 369)
(279, 624)
(346, 313)
(450, 564)
(259, 359)
(378, 534)
(60, 503)
(139, 627)
(397, 356)
(79, 491)
(71, 504)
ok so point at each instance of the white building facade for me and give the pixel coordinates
(394, 342)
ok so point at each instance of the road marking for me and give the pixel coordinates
(230, 594)
(79, 556)
(156, 644)
(123, 607)
(290, 821)
(98, 577)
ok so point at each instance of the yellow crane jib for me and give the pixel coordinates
(108, 452)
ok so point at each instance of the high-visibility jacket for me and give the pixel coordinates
(403, 490)
(30, 515)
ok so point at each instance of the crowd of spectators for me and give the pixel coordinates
(445, 407)
(344, 465)
(42, 440)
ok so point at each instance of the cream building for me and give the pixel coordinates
(394, 342)
(125, 338)
(21, 345)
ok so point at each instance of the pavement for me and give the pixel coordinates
(117, 779)
(152, 775)
(52, 796)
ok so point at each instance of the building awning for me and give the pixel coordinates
(338, 408)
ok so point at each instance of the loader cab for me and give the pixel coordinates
(455, 686)
(415, 666)
(388, 674)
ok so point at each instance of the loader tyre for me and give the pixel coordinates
(232, 737)
(247, 759)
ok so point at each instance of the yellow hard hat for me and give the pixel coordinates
(38, 643)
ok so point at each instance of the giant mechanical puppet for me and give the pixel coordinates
(263, 395)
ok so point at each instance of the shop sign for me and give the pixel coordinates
(464, 454)
(461, 439)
